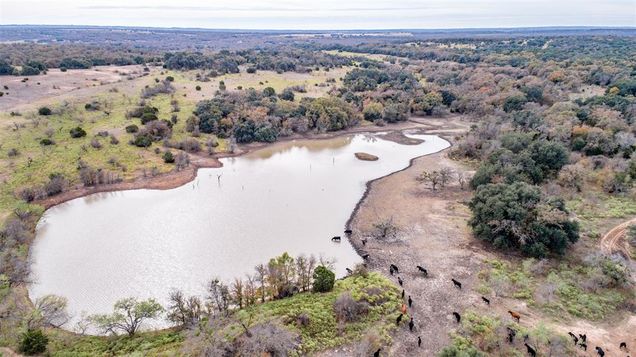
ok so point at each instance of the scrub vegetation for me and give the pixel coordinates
(551, 146)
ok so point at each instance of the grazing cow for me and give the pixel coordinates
(423, 270)
(583, 337)
(349, 271)
(600, 351)
(419, 341)
(391, 270)
(377, 353)
(399, 319)
(410, 301)
(336, 239)
(487, 301)
(530, 350)
(583, 346)
(403, 309)
(511, 335)
(364, 241)
(365, 256)
(458, 317)
(402, 293)
(395, 268)
(576, 340)
(623, 346)
(411, 324)
(515, 315)
(348, 231)
(400, 281)
(457, 284)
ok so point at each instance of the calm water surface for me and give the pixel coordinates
(292, 197)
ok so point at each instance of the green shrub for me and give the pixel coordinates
(132, 128)
(323, 279)
(45, 111)
(148, 117)
(33, 342)
(142, 141)
(168, 158)
(77, 132)
(198, 88)
(518, 216)
(46, 142)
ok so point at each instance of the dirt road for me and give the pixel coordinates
(614, 240)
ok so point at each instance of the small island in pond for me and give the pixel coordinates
(366, 157)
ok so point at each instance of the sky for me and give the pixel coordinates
(321, 14)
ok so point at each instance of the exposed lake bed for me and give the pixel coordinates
(288, 197)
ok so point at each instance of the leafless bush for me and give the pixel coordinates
(96, 144)
(13, 152)
(303, 320)
(181, 161)
(385, 229)
(347, 309)
(30, 194)
(56, 185)
(50, 310)
(267, 339)
(163, 87)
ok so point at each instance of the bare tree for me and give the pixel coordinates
(50, 310)
(445, 176)
(261, 278)
(432, 177)
(237, 292)
(184, 311)
(385, 229)
(218, 296)
(461, 179)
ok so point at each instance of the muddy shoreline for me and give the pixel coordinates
(174, 179)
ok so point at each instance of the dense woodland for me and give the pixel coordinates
(551, 118)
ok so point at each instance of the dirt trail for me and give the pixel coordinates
(613, 241)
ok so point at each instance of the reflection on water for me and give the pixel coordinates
(292, 197)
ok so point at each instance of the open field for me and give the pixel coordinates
(36, 90)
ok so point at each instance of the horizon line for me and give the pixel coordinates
(543, 27)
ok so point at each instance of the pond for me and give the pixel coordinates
(290, 197)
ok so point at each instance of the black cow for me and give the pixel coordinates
(487, 301)
(576, 340)
(348, 231)
(530, 350)
(423, 270)
(336, 239)
(410, 301)
(458, 317)
(600, 351)
(457, 284)
(399, 319)
(395, 268)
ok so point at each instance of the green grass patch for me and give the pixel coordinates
(323, 330)
(159, 343)
(594, 213)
